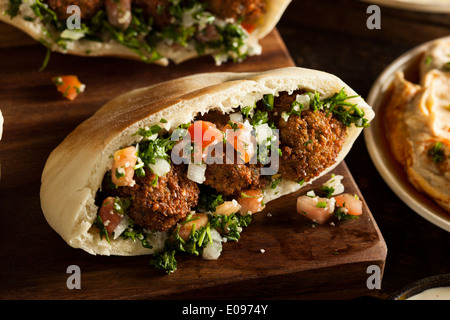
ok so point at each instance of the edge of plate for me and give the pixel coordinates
(378, 88)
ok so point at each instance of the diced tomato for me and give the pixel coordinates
(349, 202)
(110, 217)
(204, 133)
(196, 220)
(122, 171)
(316, 209)
(69, 86)
(241, 138)
(251, 202)
(249, 27)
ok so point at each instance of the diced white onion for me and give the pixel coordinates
(247, 101)
(311, 193)
(213, 250)
(161, 167)
(26, 10)
(304, 99)
(336, 184)
(121, 227)
(263, 133)
(72, 34)
(228, 207)
(331, 204)
(196, 172)
(82, 87)
(237, 117)
(246, 135)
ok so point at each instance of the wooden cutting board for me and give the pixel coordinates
(299, 261)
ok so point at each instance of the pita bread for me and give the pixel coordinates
(74, 170)
(82, 47)
(417, 121)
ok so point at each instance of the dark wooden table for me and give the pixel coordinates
(329, 35)
(332, 35)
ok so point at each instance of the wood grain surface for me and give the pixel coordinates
(299, 261)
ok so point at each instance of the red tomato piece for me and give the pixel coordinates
(349, 202)
(204, 133)
(69, 86)
(110, 217)
(251, 201)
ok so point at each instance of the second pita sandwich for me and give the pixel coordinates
(154, 31)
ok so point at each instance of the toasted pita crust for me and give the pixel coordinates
(403, 92)
(275, 9)
(75, 169)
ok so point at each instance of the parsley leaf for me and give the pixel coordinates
(437, 152)
(165, 260)
(208, 202)
(13, 8)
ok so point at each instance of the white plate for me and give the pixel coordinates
(437, 6)
(391, 172)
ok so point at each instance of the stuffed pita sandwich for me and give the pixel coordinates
(155, 31)
(183, 165)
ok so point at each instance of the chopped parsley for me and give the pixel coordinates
(121, 205)
(136, 233)
(347, 112)
(153, 146)
(437, 152)
(328, 191)
(247, 110)
(208, 202)
(268, 100)
(165, 260)
(233, 125)
(340, 214)
(296, 109)
(98, 223)
(275, 181)
(13, 8)
(232, 224)
(260, 117)
(230, 227)
(321, 204)
(197, 241)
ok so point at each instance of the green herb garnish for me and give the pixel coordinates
(267, 101)
(233, 125)
(209, 202)
(328, 191)
(341, 215)
(437, 152)
(98, 223)
(321, 204)
(13, 8)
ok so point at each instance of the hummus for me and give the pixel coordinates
(418, 124)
